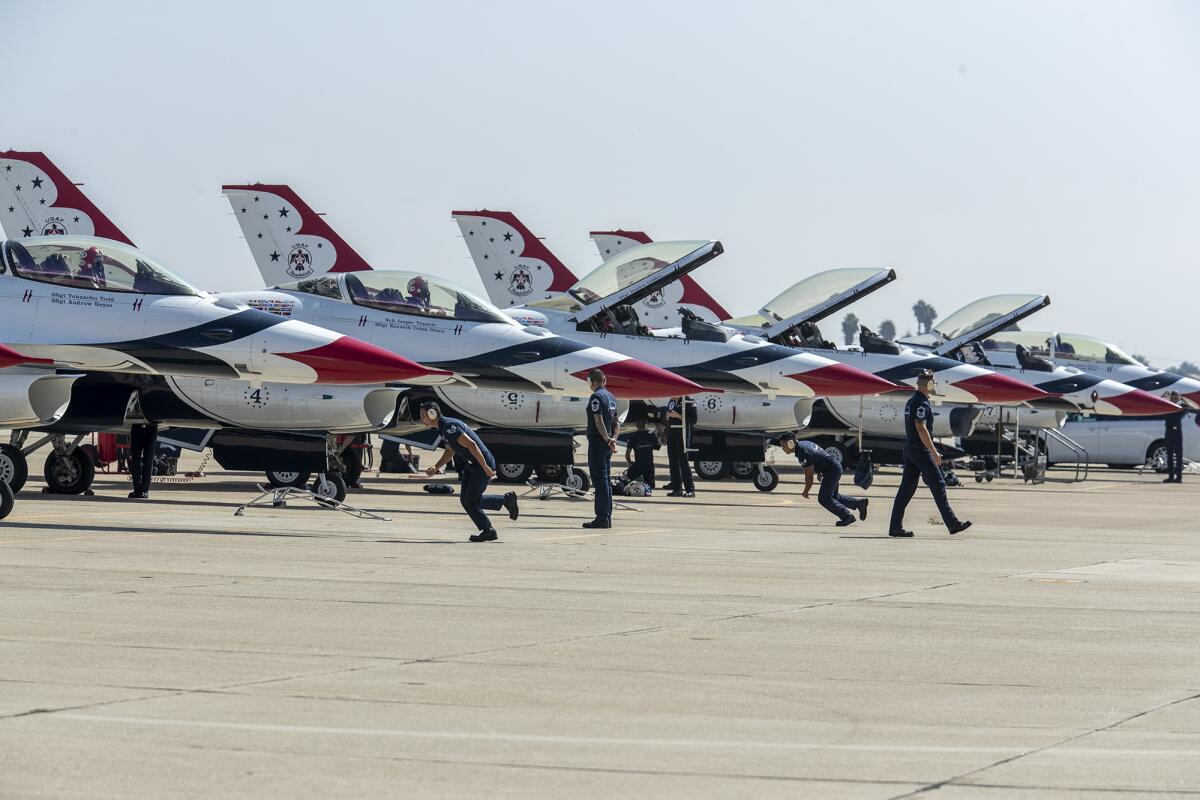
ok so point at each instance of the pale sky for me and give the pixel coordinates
(977, 147)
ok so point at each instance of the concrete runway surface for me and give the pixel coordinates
(737, 644)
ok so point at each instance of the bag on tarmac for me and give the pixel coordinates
(637, 489)
(864, 472)
(438, 488)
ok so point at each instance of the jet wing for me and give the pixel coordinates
(981, 319)
(607, 277)
(821, 295)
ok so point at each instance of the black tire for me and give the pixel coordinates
(71, 474)
(329, 485)
(707, 470)
(766, 479)
(352, 465)
(7, 501)
(280, 478)
(1156, 455)
(551, 473)
(513, 473)
(14, 467)
(840, 453)
(578, 480)
(743, 470)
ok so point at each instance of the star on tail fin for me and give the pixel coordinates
(37, 199)
(289, 240)
(515, 266)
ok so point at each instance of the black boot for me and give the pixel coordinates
(598, 523)
(489, 535)
(510, 503)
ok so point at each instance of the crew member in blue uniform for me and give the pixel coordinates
(639, 453)
(602, 431)
(681, 416)
(921, 459)
(814, 459)
(143, 443)
(476, 468)
(1174, 436)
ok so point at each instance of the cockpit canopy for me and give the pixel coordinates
(83, 262)
(981, 312)
(629, 267)
(1064, 345)
(809, 294)
(399, 292)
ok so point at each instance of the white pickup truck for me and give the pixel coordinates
(1124, 441)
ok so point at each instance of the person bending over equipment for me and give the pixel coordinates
(476, 468)
(921, 459)
(639, 453)
(815, 459)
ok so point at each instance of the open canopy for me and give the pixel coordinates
(629, 267)
(1064, 345)
(85, 262)
(818, 296)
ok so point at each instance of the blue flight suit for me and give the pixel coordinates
(599, 456)
(1174, 436)
(677, 460)
(918, 462)
(811, 455)
(472, 479)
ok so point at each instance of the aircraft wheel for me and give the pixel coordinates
(7, 501)
(978, 478)
(14, 467)
(743, 470)
(329, 485)
(578, 480)
(1156, 456)
(280, 478)
(551, 473)
(711, 470)
(69, 474)
(766, 479)
(513, 473)
(352, 465)
(838, 453)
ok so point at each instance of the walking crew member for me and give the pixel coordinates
(639, 452)
(813, 458)
(922, 459)
(476, 468)
(1174, 435)
(679, 412)
(143, 442)
(602, 430)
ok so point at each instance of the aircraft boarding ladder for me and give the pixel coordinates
(1029, 453)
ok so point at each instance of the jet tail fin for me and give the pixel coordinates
(37, 199)
(289, 240)
(514, 265)
(662, 308)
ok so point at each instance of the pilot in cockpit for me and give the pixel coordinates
(418, 293)
(91, 267)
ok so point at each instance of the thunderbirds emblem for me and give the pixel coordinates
(299, 264)
(655, 300)
(520, 282)
(54, 227)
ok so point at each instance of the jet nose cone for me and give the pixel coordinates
(349, 360)
(842, 380)
(1139, 403)
(631, 379)
(997, 389)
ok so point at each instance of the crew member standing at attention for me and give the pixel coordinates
(679, 412)
(143, 441)
(921, 459)
(476, 468)
(813, 458)
(1174, 436)
(602, 430)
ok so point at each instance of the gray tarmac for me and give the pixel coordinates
(737, 644)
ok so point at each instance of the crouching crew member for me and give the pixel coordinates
(602, 431)
(476, 468)
(639, 453)
(815, 459)
(1174, 436)
(921, 459)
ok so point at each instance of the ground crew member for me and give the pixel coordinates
(476, 468)
(602, 431)
(143, 442)
(1174, 436)
(814, 459)
(922, 459)
(679, 412)
(639, 453)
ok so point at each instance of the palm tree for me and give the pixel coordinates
(887, 329)
(925, 315)
(850, 327)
